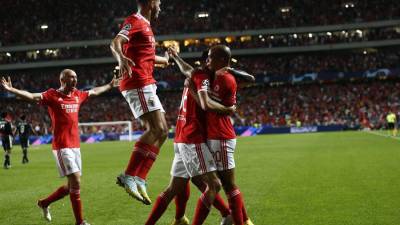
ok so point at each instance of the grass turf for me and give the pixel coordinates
(344, 178)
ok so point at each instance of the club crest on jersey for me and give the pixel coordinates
(127, 27)
(216, 88)
(60, 99)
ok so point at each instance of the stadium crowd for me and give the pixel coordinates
(88, 20)
(351, 104)
(287, 64)
(260, 41)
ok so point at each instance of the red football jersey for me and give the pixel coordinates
(140, 48)
(223, 90)
(64, 110)
(191, 122)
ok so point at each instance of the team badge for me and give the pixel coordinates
(127, 27)
(216, 88)
(151, 101)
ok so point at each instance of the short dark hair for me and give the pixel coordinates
(23, 117)
(3, 114)
(223, 52)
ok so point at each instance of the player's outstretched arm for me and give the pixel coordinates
(241, 74)
(184, 67)
(124, 62)
(207, 103)
(100, 90)
(7, 85)
(162, 60)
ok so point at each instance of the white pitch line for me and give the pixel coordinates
(382, 135)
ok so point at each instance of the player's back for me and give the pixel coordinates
(5, 128)
(23, 128)
(140, 48)
(191, 122)
(223, 90)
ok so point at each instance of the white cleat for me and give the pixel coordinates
(129, 184)
(45, 211)
(84, 223)
(228, 220)
(141, 186)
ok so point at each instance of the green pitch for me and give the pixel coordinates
(344, 178)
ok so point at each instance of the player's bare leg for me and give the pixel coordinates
(44, 204)
(218, 203)
(7, 159)
(144, 155)
(234, 196)
(176, 185)
(207, 198)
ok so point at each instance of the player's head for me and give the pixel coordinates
(23, 117)
(68, 79)
(3, 115)
(219, 56)
(152, 5)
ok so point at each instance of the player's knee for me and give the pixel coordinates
(228, 186)
(161, 132)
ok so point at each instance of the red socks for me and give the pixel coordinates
(142, 159)
(158, 209)
(60, 193)
(218, 203)
(202, 210)
(244, 212)
(236, 205)
(75, 197)
(181, 200)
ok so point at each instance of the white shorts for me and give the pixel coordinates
(192, 160)
(222, 151)
(68, 161)
(143, 100)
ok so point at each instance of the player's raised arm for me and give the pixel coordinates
(162, 60)
(99, 90)
(241, 74)
(184, 67)
(7, 85)
(124, 62)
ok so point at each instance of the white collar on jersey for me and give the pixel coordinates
(142, 17)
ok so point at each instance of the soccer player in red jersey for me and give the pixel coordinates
(63, 106)
(192, 156)
(221, 137)
(134, 49)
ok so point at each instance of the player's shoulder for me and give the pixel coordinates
(228, 77)
(200, 73)
(134, 19)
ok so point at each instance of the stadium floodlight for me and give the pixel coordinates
(329, 33)
(8, 54)
(128, 125)
(202, 15)
(295, 36)
(44, 26)
(310, 35)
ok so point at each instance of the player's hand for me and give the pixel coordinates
(115, 81)
(125, 66)
(172, 52)
(166, 56)
(6, 83)
(232, 109)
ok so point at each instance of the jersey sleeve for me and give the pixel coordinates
(83, 96)
(129, 28)
(201, 82)
(46, 98)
